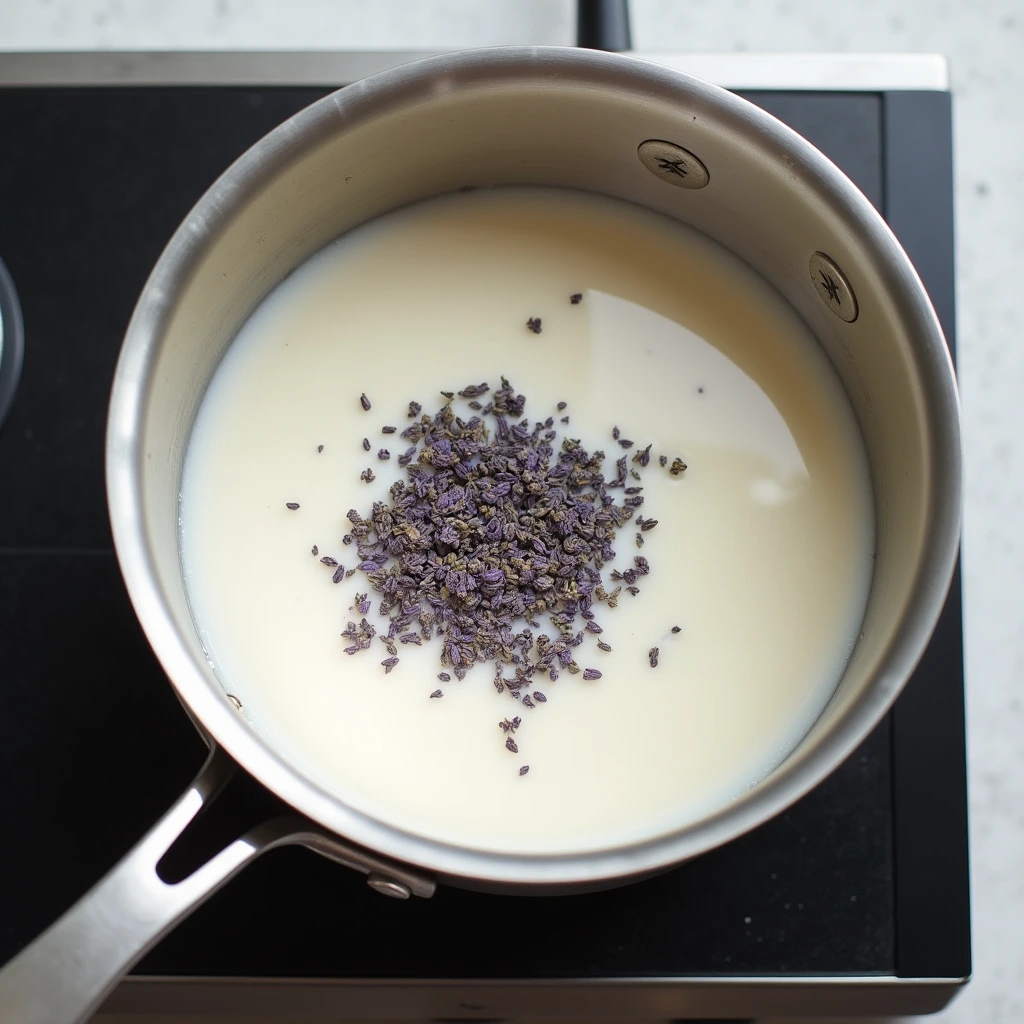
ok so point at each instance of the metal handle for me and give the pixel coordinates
(603, 25)
(64, 975)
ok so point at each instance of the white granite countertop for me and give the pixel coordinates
(985, 42)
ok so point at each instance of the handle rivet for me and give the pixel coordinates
(672, 164)
(832, 286)
(388, 886)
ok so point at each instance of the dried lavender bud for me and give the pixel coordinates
(327, 560)
(437, 693)
(339, 574)
(639, 540)
(576, 298)
(625, 443)
(537, 695)
(315, 550)
(293, 505)
(534, 324)
(663, 460)
(562, 406)
(364, 402)
(616, 433)
(347, 539)
(366, 444)
(603, 646)
(461, 551)
(652, 656)
(319, 448)
(448, 394)
(676, 629)
(414, 410)
(633, 590)
(677, 467)
(564, 419)
(444, 677)
(474, 390)
(389, 664)
(367, 476)
(649, 524)
(383, 455)
(510, 744)
(643, 457)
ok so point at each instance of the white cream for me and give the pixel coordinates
(762, 554)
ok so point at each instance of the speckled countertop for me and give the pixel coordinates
(985, 43)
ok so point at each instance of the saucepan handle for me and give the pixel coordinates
(64, 975)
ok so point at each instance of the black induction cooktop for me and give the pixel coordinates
(854, 900)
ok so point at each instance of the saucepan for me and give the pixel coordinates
(580, 119)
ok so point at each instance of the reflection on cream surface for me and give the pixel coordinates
(760, 431)
(762, 554)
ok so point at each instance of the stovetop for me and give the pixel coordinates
(855, 899)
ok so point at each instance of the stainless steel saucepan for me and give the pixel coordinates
(574, 118)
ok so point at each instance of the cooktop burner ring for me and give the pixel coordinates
(12, 335)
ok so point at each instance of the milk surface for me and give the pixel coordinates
(761, 556)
